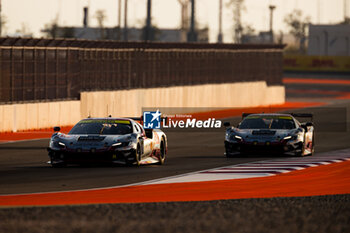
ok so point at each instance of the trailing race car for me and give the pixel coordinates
(114, 140)
(268, 132)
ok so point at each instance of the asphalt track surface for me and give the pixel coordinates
(24, 168)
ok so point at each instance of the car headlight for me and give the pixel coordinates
(117, 144)
(235, 137)
(298, 137)
(61, 144)
(121, 144)
(57, 144)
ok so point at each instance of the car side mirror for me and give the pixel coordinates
(307, 124)
(149, 133)
(56, 128)
(227, 124)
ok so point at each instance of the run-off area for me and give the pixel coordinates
(321, 214)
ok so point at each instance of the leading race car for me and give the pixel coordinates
(115, 140)
(267, 132)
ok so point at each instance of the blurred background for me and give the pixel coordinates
(313, 27)
(293, 22)
(58, 49)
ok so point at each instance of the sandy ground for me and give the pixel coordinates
(319, 214)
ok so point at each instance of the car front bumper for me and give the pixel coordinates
(288, 147)
(119, 155)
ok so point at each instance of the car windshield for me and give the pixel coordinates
(267, 122)
(103, 127)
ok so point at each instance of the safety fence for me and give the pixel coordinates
(42, 69)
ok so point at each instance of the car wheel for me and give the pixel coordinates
(138, 155)
(313, 146)
(302, 152)
(55, 164)
(135, 157)
(227, 154)
(162, 152)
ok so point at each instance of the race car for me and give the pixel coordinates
(270, 132)
(113, 140)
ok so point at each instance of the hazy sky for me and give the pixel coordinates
(34, 14)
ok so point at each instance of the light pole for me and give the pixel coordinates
(0, 20)
(126, 20)
(220, 22)
(148, 32)
(184, 19)
(192, 35)
(271, 7)
(318, 11)
(119, 19)
(119, 13)
(86, 17)
(345, 10)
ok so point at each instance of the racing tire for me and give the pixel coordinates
(299, 154)
(313, 146)
(56, 165)
(302, 153)
(227, 154)
(138, 155)
(162, 152)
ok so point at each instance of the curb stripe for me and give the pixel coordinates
(255, 169)
(322, 180)
(316, 81)
(243, 172)
(260, 168)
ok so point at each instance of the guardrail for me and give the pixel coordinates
(44, 69)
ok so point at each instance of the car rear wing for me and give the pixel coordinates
(140, 119)
(299, 115)
(303, 115)
(135, 118)
(245, 114)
